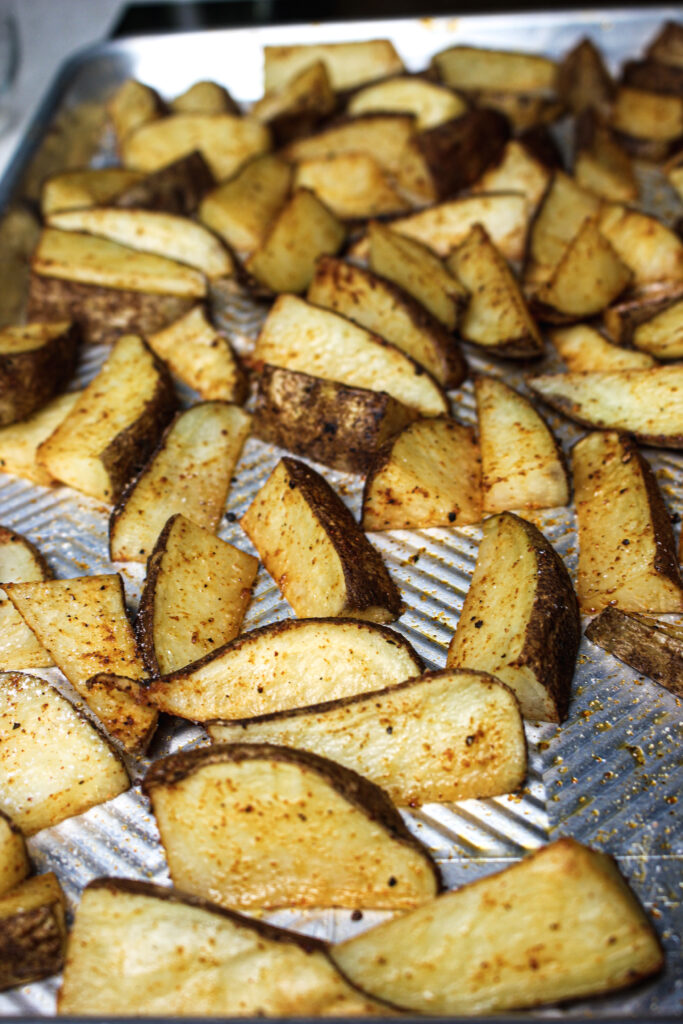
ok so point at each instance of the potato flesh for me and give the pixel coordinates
(470, 67)
(589, 276)
(521, 466)
(430, 103)
(288, 666)
(652, 251)
(19, 647)
(28, 337)
(169, 957)
(613, 506)
(447, 736)
(351, 185)
(56, 764)
(662, 336)
(348, 64)
(563, 211)
(560, 924)
(518, 171)
(243, 209)
(190, 473)
(431, 477)
(78, 189)
(199, 356)
(583, 348)
(132, 105)
(648, 115)
(383, 136)
(308, 95)
(299, 336)
(19, 442)
(14, 862)
(203, 98)
(265, 833)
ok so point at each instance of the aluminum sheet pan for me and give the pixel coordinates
(612, 776)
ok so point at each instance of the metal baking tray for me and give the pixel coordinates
(611, 776)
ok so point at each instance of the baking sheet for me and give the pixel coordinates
(612, 776)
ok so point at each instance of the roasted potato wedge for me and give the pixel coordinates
(300, 336)
(653, 76)
(287, 665)
(297, 107)
(522, 464)
(72, 190)
(627, 554)
(662, 334)
(667, 46)
(337, 425)
(559, 218)
(195, 595)
(583, 81)
(648, 124)
(652, 251)
(189, 472)
(348, 64)
(254, 825)
(351, 185)
(204, 960)
(560, 924)
(637, 306)
(32, 931)
(445, 736)
(114, 424)
(205, 98)
(472, 68)
(176, 188)
(314, 549)
(645, 403)
(36, 363)
(92, 636)
(518, 170)
(242, 209)
(14, 862)
(651, 651)
(19, 443)
(428, 475)
(383, 136)
(430, 103)
(583, 348)
(132, 105)
(601, 165)
(55, 764)
(20, 562)
(520, 620)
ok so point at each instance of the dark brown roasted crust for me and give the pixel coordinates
(652, 150)
(29, 379)
(665, 561)
(653, 76)
(144, 621)
(358, 791)
(8, 536)
(459, 151)
(32, 945)
(540, 143)
(637, 307)
(335, 424)
(667, 46)
(177, 188)
(103, 314)
(650, 651)
(583, 81)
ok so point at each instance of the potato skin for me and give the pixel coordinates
(29, 379)
(177, 188)
(650, 651)
(459, 151)
(31, 946)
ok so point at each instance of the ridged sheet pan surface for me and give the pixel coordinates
(611, 776)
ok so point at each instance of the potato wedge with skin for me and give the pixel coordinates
(560, 924)
(583, 80)
(638, 305)
(652, 652)
(386, 309)
(287, 665)
(32, 931)
(444, 736)
(601, 165)
(341, 427)
(242, 209)
(303, 230)
(314, 549)
(652, 251)
(36, 363)
(205, 98)
(20, 562)
(648, 124)
(428, 475)
(132, 105)
(19, 442)
(195, 595)
(113, 426)
(518, 170)
(653, 76)
(522, 463)
(383, 136)
(557, 221)
(71, 190)
(92, 636)
(55, 764)
(662, 334)
(627, 554)
(431, 104)
(300, 336)
(224, 140)
(497, 316)
(351, 185)
(520, 620)
(472, 68)
(347, 64)
(582, 347)
(176, 188)
(164, 234)
(14, 862)
(297, 107)
(645, 403)
(667, 46)
(257, 826)
(203, 960)
(189, 472)
(418, 271)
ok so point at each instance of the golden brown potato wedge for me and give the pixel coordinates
(113, 426)
(648, 124)
(204, 98)
(560, 924)
(653, 251)
(518, 170)
(204, 960)
(314, 549)
(627, 554)
(83, 624)
(224, 140)
(14, 862)
(653, 76)
(497, 316)
(195, 595)
(667, 46)
(303, 230)
(522, 464)
(189, 472)
(347, 64)
(242, 209)
(431, 104)
(176, 188)
(254, 825)
(557, 221)
(444, 736)
(19, 443)
(645, 403)
(601, 165)
(582, 347)
(638, 305)
(297, 107)
(20, 562)
(520, 620)
(337, 425)
(71, 190)
(383, 136)
(300, 336)
(638, 642)
(583, 80)
(132, 105)
(662, 334)
(36, 362)
(386, 309)
(202, 358)
(55, 764)
(472, 68)
(32, 931)
(287, 665)
(427, 475)
(351, 185)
